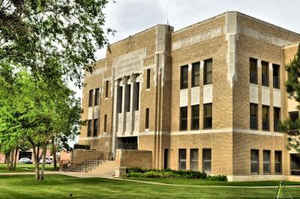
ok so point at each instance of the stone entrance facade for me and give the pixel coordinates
(207, 97)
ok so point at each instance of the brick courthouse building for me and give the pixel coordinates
(207, 97)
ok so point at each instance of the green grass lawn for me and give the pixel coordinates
(24, 168)
(60, 187)
(186, 181)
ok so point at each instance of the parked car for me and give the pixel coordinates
(48, 160)
(25, 161)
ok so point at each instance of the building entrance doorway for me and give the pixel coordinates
(128, 143)
(295, 164)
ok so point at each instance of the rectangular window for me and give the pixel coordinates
(183, 118)
(276, 118)
(89, 129)
(119, 99)
(267, 161)
(265, 73)
(96, 96)
(195, 117)
(253, 71)
(136, 96)
(95, 127)
(106, 88)
(147, 118)
(91, 97)
(266, 118)
(127, 97)
(253, 116)
(148, 77)
(105, 123)
(184, 70)
(194, 159)
(195, 74)
(182, 159)
(276, 76)
(254, 161)
(208, 71)
(294, 115)
(278, 162)
(206, 160)
(207, 116)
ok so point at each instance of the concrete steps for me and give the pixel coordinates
(105, 169)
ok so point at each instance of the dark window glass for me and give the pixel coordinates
(182, 159)
(148, 77)
(206, 160)
(278, 162)
(254, 116)
(96, 127)
(254, 161)
(196, 74)
(195, 117)
(147, 118)
(183, 118)
(194, 159)
(105, 123)
(253, 71)
(89, 130)
(137, 96)
(208, 71)
(127, 97)
(265, 73)
(91, 98)
(184, 77)
(276, 76)
(207, 116)
(294, 115)
(276, 119)
(266, 118)
(106, 88)
(267, 161)
(96, 96)
(119, 99)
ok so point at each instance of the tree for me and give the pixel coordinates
(292, 127)
(34, 113)
(52, 37)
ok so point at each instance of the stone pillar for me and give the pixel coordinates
(132, 102)
(115, 119)
(124, 81)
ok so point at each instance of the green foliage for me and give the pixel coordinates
(152, 173)
(292, 127)
(52, 37)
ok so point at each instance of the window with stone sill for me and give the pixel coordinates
(208, 73)
(183, 118)
(254, 161)
(196, 74)
(89, 128)
(265, 118)
(182, 159)
(265, 73)
(253, 71)
(91, 97)
(253, 116)
(184, 70)
(195, 117)
(267, 161)
(97, 92)
(207, 157)
(96, 127)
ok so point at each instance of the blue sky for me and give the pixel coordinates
(130, 16)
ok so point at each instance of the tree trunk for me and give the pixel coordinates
(44, 161)
(8, 160)
(54, 155)
(15, 159)
(36, 162)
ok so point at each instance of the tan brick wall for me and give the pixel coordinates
(135, 159)
(166, 51)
